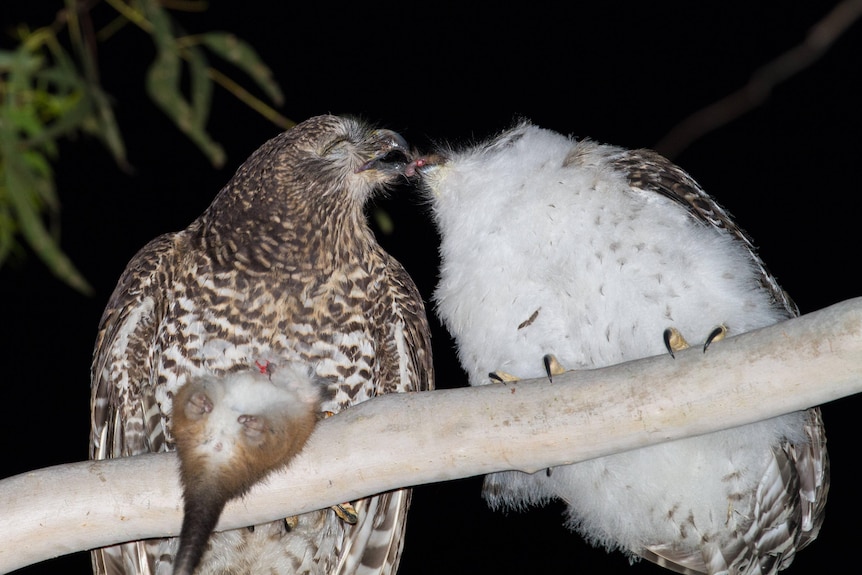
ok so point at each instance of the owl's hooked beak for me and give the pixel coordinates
(390, 152)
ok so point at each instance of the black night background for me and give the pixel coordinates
(623, 73)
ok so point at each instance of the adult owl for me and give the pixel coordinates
(597, 255)
(275, 305)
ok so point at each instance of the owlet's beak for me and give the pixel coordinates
(423, 164)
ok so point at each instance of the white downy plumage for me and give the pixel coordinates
(590, 252)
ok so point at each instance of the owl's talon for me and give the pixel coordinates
(346, 512)
(674, 341)
(503, 377)
(717, 334)
(552, 366)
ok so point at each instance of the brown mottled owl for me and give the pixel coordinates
(230, 338)
(600, 255)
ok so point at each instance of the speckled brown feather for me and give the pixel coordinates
(281, 267)
(802, 469)
(650, 171)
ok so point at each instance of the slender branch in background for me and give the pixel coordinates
(820, 38)
(131, 14)
(249, 100)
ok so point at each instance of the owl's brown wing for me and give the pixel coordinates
(792, 493)
(408, 341)
(125, 418)
(789, 501)
(647, 170)
(375, 543)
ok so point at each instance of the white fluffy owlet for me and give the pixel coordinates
(591, 252)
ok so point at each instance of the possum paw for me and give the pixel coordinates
(253, 427)
(198, 405)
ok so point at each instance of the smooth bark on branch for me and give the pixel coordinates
(410, 439)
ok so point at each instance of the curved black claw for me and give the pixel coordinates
(715, 335)
(346, 512)
(552, 366)
(674, 341)
(502, 377)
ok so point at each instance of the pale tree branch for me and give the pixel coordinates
(411, 439)
(819, 39)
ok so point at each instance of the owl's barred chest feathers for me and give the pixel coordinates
(277, 315)
(230, 339)
(225, 320)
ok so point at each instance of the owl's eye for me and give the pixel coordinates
(335, 147)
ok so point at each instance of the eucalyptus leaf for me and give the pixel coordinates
(48, 92)
(163, 88)
(163, 84)
(243, 56)
(18, 180)
(107, 129)
(8, 228)
(201, 87)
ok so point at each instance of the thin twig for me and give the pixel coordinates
(248, 99)
(220, 78)
(820, 37)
